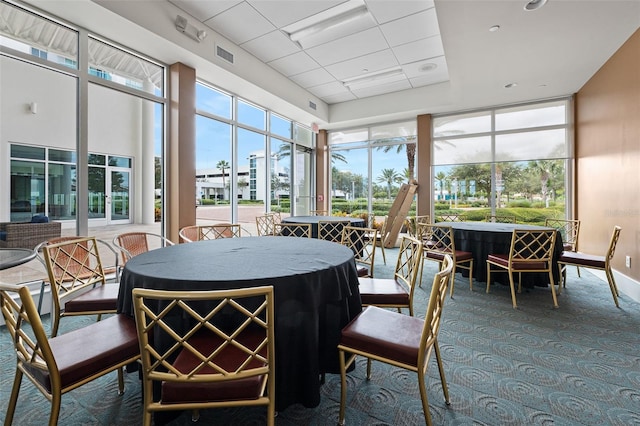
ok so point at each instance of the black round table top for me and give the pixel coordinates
(490, 226)
(356, 221)
(10, 257)
(238, 259)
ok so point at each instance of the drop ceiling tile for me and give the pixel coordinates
(314, 77)
(296, 63)
(415, 70)
(240, 24)
(382, 89)
(355, 45)
(340, 97)
(422, 49)
(203, 10)
(332, 88)
(411, 28)
(271, 46)
(373, 62)
(385, 10)
(282, 13)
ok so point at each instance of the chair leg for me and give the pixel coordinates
(420, 274)
(452, 279)
(513, 290)
(612, 285)
(343, 383)
(368, 368)
(445, 388)
(578, 269)
(15, 390)
(56, 400)
(488, 277)
(120, 381)
(195, 415)
(471, 276)
(423, 396)
(553, 289)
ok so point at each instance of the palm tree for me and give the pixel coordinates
(441, 177)
(222, 165)
(545, 169)
(389, 177)
(410, 149)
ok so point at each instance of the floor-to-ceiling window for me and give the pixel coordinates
(247, 160)
(83, 124)
(369, 165)
(512, 160)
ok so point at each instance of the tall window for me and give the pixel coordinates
(244, 161)
(369, 165)
(510, 160)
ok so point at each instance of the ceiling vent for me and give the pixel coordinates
(224, 54)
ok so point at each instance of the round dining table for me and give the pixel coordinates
(10, 257)
(485, 238)
(315, 290)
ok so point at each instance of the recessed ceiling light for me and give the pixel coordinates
(510, 85)
(428, 67)
(494, 28)
(535, 4)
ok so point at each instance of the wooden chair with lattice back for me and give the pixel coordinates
(293, 230)
(440, 244)
(219, 353)
(189, 234)
(265, 224)
(450, 217)
(399, 340)
(593, 261)
(397, 292)
(134, 243)
(331, 230)
(77, 279)
(364, 253)
(569, 230)
(530, 251)
(63, 363)
(412, 223)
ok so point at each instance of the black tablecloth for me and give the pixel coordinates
(313, 220)
(316, 295)
(485, 238)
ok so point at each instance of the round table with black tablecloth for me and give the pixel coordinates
(313, 220)
(485, 238)
(316, 295)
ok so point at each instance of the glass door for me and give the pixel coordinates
(303, 190)
(118, 199)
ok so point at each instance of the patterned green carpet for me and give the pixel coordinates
(576, 365)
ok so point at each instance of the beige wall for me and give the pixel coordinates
(608, 159)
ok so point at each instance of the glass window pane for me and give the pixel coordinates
(62, 155)
(31, 152)
(119, 161)
(62, 191)
(213, 101)
(213, 169)
(349, 181)
(531, 145)
(280, 171)
(396, 131)
(302, 135)
(464, 124)
(251, 150)
(280, 126)
(97, 159)
(97, 193)
(348, 136)
(37, 36)
(389, 170)
(462, 151)
(27, 190)
(251, 115)
(110, 63)
(527, 116)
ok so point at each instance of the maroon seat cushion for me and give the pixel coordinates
(101, 298)
(582, 259)
(382, 291)
(363, 271)
(461, 256)
(503, 260)
(385, 333)
(229, 358)
(84, 352)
